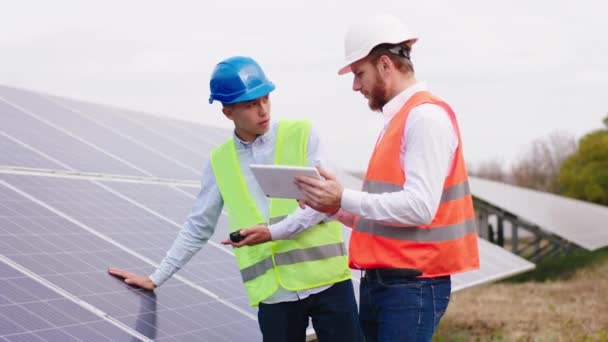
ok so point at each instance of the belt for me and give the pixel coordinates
(391, 273)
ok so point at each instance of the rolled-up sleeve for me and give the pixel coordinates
(197, 229)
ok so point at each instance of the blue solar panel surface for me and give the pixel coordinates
(50, 242)
(182, 156)
(30, 311)
(59, 145)
(16, 154)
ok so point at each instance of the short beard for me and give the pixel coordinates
(377, 96)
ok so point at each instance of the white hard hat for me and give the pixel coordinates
(362, 37)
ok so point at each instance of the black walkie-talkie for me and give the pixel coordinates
(236, 236)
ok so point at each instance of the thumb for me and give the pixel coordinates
(248, 231)
(128, 281)
(302, 203)
(326, 174)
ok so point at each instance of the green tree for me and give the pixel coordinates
(584, 175)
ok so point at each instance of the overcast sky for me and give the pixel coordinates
(514, 71)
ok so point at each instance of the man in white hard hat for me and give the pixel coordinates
(413, 223)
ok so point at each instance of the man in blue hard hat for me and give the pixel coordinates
(297, 269)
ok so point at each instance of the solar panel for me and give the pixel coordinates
(16, 154)
(495, 263)
(60, 145)
(188, 133)
(121, 147)
(171, 202)
(155, 136)
(75, 257)
(580, 222)
(31, 311)
(143, 231)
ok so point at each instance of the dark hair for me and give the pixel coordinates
(399, 54)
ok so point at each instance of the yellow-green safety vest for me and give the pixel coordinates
(314, 258)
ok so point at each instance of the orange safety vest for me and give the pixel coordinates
(449, 244)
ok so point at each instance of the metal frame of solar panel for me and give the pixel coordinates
(580, 222)
(121, 184)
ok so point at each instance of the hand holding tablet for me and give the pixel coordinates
(278, 180)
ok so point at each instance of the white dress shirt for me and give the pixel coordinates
(427, 154)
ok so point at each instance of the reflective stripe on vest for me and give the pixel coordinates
(450, 193)
(412, 233)
(292, 257)
(439, 233)
(445, 246)
(314, 258)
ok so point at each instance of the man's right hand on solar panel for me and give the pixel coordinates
(132, 278)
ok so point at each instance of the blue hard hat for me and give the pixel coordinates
(238, 79)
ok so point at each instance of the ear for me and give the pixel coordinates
(384, 64)
(228, 112)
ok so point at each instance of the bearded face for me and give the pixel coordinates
(378, 94)
(369, 82)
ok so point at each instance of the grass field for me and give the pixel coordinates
(564, 299)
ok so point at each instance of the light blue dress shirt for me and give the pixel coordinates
(207, 208)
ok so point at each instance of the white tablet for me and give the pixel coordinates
(278, 180)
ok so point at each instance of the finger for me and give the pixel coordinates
(306, 188)
(229, 242)
(251, 239)
(302, 203)
(118, 272)
(260, 236)
(244, 242)
(312, 195)
(308, 181)
(135, 282)
(326, 174)
(248, 231)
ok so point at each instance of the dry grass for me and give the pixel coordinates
(561, 310)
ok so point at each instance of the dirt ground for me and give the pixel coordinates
(566, 310)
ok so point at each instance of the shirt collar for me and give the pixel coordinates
(396, 103)
(260, 139)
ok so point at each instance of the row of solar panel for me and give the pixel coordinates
(581, 222)
(42, 131)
